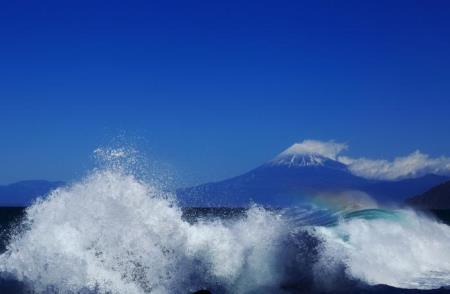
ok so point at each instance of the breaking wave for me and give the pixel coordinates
(404, 250)
(114, 233)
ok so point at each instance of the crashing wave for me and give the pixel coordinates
(114, 233)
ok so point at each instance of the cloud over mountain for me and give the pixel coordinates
(413, 165)
(409, 166)
(328, 149)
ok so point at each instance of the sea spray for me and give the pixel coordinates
(111, 233)
(114, 232)
(408, 251)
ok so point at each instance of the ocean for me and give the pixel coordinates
(114, 233)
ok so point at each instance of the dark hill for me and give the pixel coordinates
(436, 198)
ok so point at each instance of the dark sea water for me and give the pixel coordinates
(112, 233)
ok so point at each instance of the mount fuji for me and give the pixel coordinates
(298, 175)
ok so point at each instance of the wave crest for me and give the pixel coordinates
(113, 233)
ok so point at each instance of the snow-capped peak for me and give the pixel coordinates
(299, 160)
(309, 153)
(328, 149)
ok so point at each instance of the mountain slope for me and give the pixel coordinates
(23, 193)
(294, 177)
(437, 197)
(275, 186)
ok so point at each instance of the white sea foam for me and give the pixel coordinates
(113, 233)
(412, 251)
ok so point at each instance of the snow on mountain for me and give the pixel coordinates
(310, 153)
(299, 160)
(312, 147)
(302, 171)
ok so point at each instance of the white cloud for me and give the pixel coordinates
(413, 165)
(329, 149)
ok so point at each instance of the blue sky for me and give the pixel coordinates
(211, 89)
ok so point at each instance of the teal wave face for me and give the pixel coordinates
(316, 216)
(373, 214)
(331, 218)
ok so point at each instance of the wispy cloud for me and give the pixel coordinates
(329, 149)
(413, 165)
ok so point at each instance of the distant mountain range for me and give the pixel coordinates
(23, 193)
(294, 177)
(436, 198)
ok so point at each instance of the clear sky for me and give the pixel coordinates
(211, 89)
